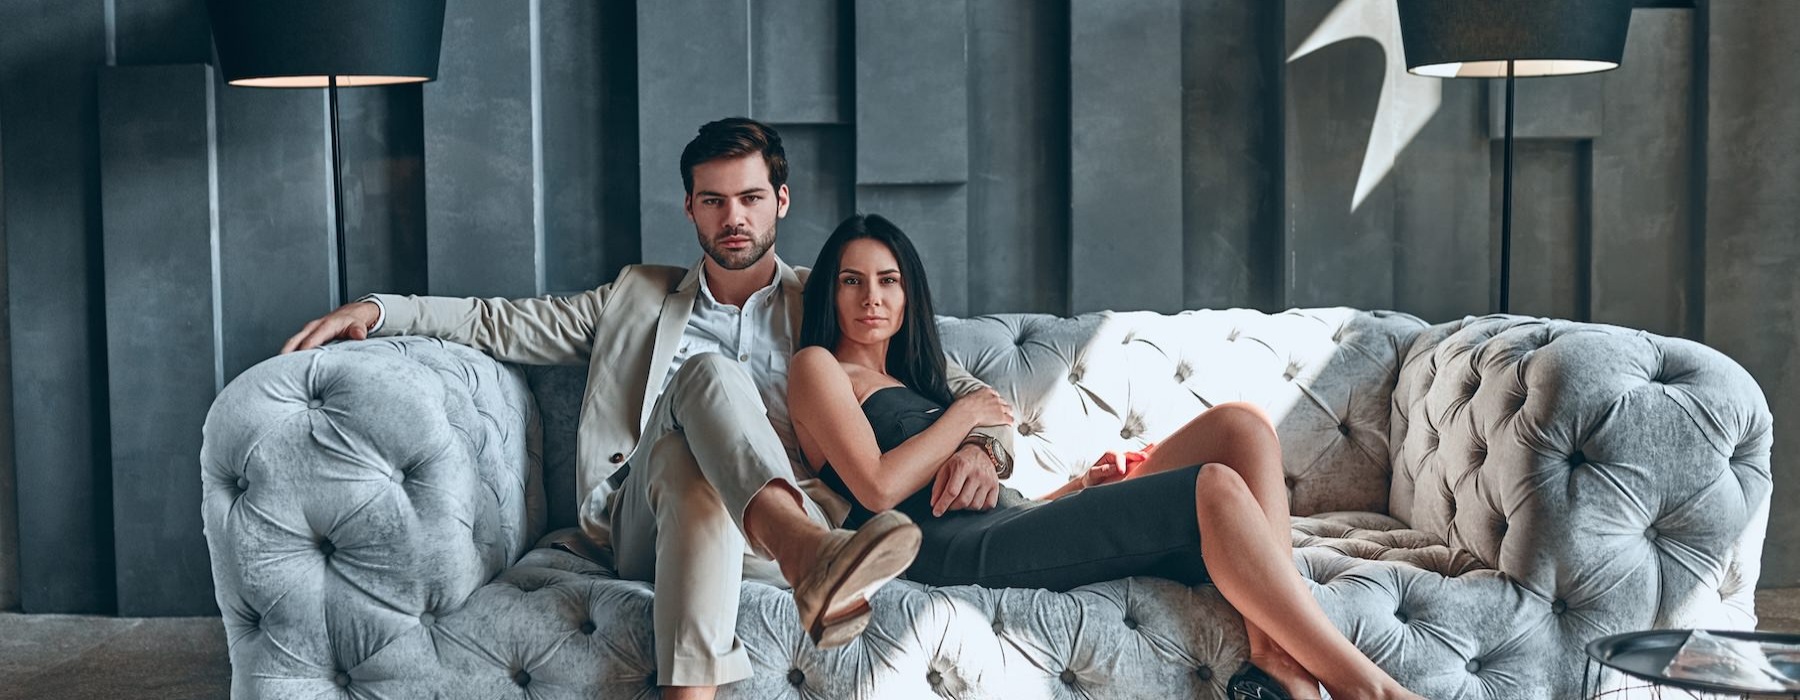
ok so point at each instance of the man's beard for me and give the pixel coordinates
(738, 259)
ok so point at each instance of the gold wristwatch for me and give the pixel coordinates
(990, 445)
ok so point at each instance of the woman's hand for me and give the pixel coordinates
(1114, 466)
(983, 407)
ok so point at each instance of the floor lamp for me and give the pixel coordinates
(328, 44)
(1512, 39)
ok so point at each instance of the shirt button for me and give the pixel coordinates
(616, 458)
(744, 357)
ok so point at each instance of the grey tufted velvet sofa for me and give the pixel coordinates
(1474, 502)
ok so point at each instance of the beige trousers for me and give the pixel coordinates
(678, 518)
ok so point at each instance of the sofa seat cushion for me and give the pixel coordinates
(1358, 536)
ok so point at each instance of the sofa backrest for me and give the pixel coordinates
(1112, 380)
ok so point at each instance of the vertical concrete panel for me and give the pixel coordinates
(1125, 156)
(1752, 294)
(1643, 180)
(1339, 143)
(1019, 156)
(164, 365)
(1560, 107)
(275, 218)
(935, 217)
(1231, 153)
(693, 67)
(61, 444)
(384, 188)
(1550, 227)
(9, 482)
(798, 55)
(912, 101)
(821, 174)
(151, 32)
(1443, 246)
(590, 148)
(483, 176)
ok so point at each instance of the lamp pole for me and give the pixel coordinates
(337, 201)
(1505, 211)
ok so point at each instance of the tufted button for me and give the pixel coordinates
(1473, 666)
(522, 677)
(427, 619)
(1204, 672)
(315, 402)
(1131, 623)
(1290, 481)
(1651, 533)
(243, 483)
(796, 678)
(616, 458)
(1344, 429)
(1074, 377)
(588, 627)
(934, 678)
(1127, 432)
(1577, 459)
(998, 628)
(341, 679)
(327, 548)
(1068, 677)
(1558, 607)
(1402, 616)
(1026, 429)
(397, 475)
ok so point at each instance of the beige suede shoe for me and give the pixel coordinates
(833, 600)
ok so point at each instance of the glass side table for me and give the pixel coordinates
(1642, 656)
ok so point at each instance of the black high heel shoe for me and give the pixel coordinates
(1251, 683)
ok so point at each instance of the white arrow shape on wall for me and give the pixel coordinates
(1407, 101)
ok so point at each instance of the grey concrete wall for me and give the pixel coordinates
(164, 359)
(1050, 156)
(9, 483)
(1751, 252)
(48, 64)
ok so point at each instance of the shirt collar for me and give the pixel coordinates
(758, 297)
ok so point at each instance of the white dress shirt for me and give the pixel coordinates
(759, 335)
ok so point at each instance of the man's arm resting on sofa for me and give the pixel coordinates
(547, 330)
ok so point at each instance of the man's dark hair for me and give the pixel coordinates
(915, 355)
(735, 137)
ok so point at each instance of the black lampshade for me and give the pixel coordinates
(1475, 38)
(302, 43)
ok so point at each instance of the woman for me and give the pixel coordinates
(873, 413)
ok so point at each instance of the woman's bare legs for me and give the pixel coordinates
(1241, 437)
(1263, 585)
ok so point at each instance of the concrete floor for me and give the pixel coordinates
(63, 657)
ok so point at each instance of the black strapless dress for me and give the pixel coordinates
(1141, 527)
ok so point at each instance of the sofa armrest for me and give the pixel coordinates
(353, 491)
(1613, 473)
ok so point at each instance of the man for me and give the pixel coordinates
(686, 458)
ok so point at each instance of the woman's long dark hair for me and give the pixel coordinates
(915, 355)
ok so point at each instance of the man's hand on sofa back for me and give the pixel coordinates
(353, 321)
